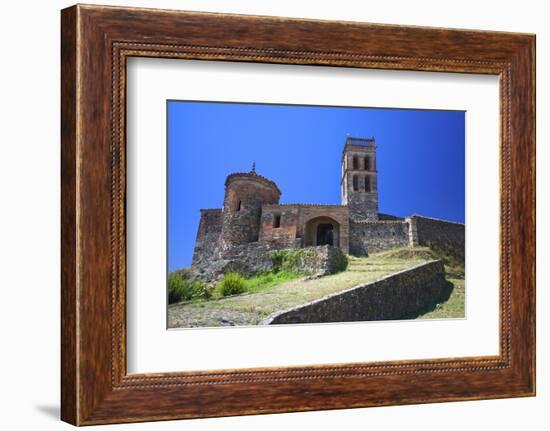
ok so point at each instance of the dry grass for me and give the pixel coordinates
(454, 307)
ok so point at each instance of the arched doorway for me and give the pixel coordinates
(325, 234)
(322, 231)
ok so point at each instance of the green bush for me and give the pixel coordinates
(277, 259)
(291, 260)
(183, 289)
(203, 290)
(232, 283)
(342, 263)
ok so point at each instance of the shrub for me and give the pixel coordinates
(231, 284)
(183, 289)
(341, 264)
(203, 290)
(277, 259)
(178, 288)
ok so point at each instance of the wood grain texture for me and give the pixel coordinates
(96, 41)
(69, 398)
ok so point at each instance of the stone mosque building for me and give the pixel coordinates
(253, 219)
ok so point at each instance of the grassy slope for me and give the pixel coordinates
(253, 307)
(454, 307)
(263, 282)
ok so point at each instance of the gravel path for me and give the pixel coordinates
(180, 316)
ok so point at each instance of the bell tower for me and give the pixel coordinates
(360, 179)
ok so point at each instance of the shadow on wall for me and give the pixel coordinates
(446, 291)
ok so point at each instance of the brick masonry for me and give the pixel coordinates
(399, 296)
(300, 221)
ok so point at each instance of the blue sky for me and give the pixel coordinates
(420, 158)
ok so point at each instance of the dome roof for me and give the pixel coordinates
(252, 176)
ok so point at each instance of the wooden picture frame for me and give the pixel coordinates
(95, 43)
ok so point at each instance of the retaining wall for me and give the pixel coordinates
(402, 295)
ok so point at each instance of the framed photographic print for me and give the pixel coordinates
(267, 215)
(260, 261)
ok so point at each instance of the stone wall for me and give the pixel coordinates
(402, 295)
(440, 235)
(246, 259)
(362, 200)
(245, 193)
(210, 227)
(257, 257)
(369, 237)
(320, 260)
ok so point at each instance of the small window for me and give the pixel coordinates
(355, 183)
(276, 220)
(238, 206)
(367, 163)
(367, 184)
(355, 162)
